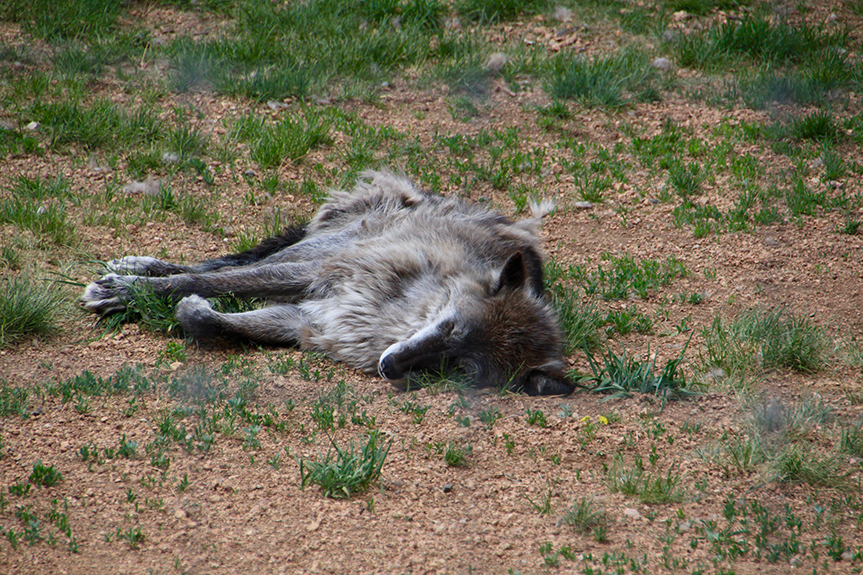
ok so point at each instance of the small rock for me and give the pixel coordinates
(796, 561)
(847, 556)
(631, 513)
(180, 514)
(276, 105)
(32, 126)
(447, 487)
(685, 526)
(169, 158)
(583, 205)
(663, 64)
(249, 173)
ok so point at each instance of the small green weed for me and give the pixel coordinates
(345, 472)
(45, 476)
(536, 418)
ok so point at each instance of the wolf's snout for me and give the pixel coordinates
(387, 368)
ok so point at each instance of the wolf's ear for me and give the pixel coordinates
(513, 274)
(540, 383)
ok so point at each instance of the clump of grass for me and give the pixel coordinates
(622, 375)
(635, 481)
(27, 308)
(585, 516)
(345, 472)
(45, 475)
(776, 443)
(762, 340)
(580, 323)
(757, 38)
(291, 138)
(610, 82)
(455, 453)
(496, 10)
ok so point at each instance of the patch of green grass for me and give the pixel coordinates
(45, 476)
(346, 471)
(74, 19)
(455, 453)
(635, 481)
(626, 320)
(489, 11)
(536, 417)
(686, 178)
(489, 416)
(760, 340)
(851, 440)
(586, 516)
(27, 308)
(291, 138)
(621, 375)
(14, 400)
(580, 323)
(611, 81)
(101, 124)
(757, 38)
(621, 275)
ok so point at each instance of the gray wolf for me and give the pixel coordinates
(385, 278)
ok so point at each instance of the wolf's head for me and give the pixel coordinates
(506, 336)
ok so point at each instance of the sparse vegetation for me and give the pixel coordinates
(704, 158)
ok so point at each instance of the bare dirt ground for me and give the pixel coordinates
(240, 507)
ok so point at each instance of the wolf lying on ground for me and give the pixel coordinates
(385, 277)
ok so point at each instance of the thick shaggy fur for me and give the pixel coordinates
(385, 277)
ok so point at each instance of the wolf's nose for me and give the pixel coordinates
(387, 368)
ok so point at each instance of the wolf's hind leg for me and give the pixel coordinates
(279, 324)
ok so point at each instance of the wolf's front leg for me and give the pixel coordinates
(111, 292)
(280, 324)
(108, 294)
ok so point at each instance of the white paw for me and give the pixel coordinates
(132, 265)
(107, 294)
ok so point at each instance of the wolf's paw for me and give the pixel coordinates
(133, 265)
(107, 294)
(197, 317)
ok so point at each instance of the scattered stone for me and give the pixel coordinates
(169, 158)
(180, 514)
(447, 487)
(249, 173)
(663, 64)
(32, 126)
(276, 105)
(847, 555)
(631, 513)
(583, 205)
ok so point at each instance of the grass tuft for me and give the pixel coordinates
(27, 308)
(347, 471)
